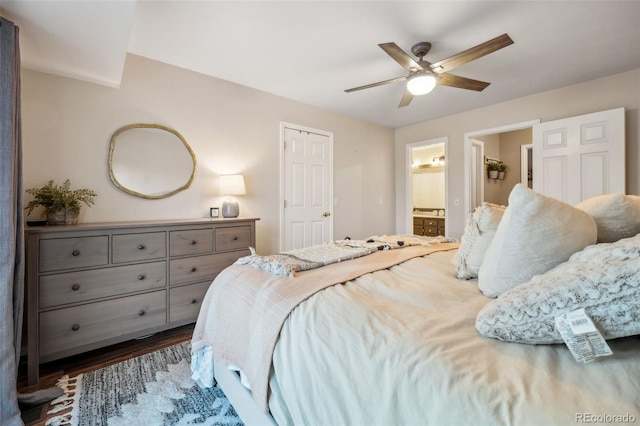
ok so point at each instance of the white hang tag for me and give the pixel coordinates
(580, 322)
(581, 336)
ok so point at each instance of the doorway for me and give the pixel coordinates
(498, 144)
(526, 165)
(476, 173)
(426, 181)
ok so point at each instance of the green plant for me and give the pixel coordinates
(493, 165)
(53, 198)
(502, 167)
(497, 166)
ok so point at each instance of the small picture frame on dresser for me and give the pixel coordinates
(214, 212)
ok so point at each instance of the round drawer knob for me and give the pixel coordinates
(192, 242)
(75, 327)
(140, 246)
(193, 301)
(141, 312)
(75, 253)
(141, 277)
(192, 269)
(234, 238)
(75, 287)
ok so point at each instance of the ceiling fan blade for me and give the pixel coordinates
(380, 83)
(401, 57)
(471, 54)
(461, 82)
(406, 99)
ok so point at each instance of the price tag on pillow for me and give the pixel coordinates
(580, 322)
(581, 336)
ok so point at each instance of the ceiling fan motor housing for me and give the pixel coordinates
(421, 49)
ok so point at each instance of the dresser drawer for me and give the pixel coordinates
(83, 325)
(431, 231)
(185, 301)
(67, 253)
(199, 268)
(81, 286)
(233, 238)
(135, 247)
(192, 241)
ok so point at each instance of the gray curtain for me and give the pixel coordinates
(11, 223)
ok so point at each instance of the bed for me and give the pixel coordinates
(392, 337)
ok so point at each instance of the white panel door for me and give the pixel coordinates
(307, 187)
(580, 157)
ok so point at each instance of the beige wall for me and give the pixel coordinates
(67, 125)
(622, 90)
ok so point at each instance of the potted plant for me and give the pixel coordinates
(61, 203)
(493, 168)
(502, 170)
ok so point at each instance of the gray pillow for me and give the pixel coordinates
(617, 216)
(604, 279)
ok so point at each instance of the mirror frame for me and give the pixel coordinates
(112, 146)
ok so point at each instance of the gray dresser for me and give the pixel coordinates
(93, 285)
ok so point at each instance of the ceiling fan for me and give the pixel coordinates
(423, 75)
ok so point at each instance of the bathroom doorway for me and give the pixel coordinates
(427, 187)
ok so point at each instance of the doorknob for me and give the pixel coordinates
(326, 214)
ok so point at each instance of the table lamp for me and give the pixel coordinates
(231, 185)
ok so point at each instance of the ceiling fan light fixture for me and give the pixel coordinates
(421, 83)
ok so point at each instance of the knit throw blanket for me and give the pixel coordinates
(290, 262)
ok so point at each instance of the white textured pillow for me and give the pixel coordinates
(478, 232)
(617, 215)
(604, 279)
(536, 233)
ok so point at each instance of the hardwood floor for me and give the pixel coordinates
(89, 361)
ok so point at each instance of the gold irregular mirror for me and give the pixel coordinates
(150, 161)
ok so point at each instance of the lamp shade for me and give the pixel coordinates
(421, 83)
(232, 185)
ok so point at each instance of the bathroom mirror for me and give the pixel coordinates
(150, 161)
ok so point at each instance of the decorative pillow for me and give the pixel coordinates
(604, 279)
(536, 233)
(478, 232)
(617, 215)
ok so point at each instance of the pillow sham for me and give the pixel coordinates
(617, 215)
(478, 232)
(536, 233)
(604, 279)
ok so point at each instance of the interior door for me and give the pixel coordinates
(580, 157)
(307, 188)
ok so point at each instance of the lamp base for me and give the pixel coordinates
(230, 208)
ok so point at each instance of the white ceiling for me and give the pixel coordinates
(310, 51)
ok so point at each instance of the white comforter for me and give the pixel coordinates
(399, 347)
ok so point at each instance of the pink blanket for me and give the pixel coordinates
(244, 309)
